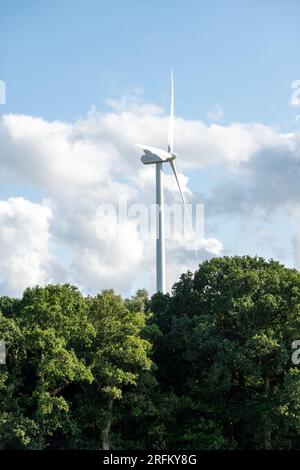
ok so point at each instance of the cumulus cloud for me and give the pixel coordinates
(80, 166)
(24, 245)
(268, 180)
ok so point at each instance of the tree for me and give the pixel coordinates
(229, 330)
(118, 356)
(51, 330)
(138, 302)
(205, 367)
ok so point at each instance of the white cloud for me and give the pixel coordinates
(79, 165)
(212, 245)
(216, 113)
(24, 245)
(295, 98)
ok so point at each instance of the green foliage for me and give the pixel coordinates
(118, 356)
(207, 367)
(69, 359)
(229, 332)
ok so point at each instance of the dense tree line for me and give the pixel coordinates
(205, 367)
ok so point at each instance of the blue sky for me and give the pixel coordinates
(60, 59)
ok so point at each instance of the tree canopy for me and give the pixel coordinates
(207, 366)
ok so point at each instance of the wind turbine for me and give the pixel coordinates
(157, 156)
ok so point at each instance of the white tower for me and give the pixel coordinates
(156, 156)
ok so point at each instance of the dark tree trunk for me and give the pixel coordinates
(106, 427)
(267, 443)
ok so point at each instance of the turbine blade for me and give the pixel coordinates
(172, 163)
(171, 121)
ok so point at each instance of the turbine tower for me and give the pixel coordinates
(157, 157)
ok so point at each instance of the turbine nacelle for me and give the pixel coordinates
(154, 155)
